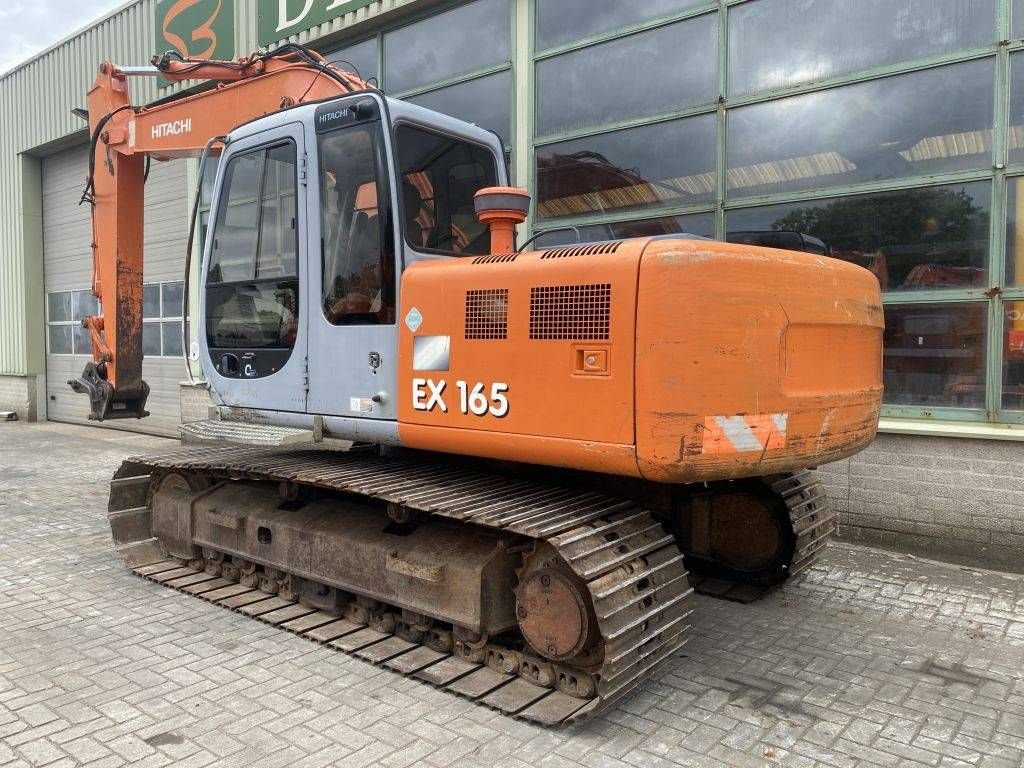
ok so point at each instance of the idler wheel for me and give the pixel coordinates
(554, 614)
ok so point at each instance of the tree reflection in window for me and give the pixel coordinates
(915, 239)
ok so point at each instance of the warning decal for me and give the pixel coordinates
(740, 434)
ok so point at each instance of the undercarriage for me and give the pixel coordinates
(547, 601)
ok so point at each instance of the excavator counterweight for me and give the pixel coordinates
(550, 449)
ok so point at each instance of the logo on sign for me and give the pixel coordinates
(198, 29)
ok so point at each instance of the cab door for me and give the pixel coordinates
(352, 268)
(254, 340)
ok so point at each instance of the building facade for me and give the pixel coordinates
(889, 133)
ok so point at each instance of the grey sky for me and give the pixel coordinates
(29, 27)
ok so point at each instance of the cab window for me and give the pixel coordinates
(357, 255)
(252, 289)
(439, 177)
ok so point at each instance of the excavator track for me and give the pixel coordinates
(812, 522)
(630, 569)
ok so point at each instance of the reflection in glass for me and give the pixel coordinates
(669, 163)
(1017, 20)
(1013, 357)
(440, 176)
(171, 333)
(914, 239)
(151, 300)
(562, 21)
(1015, 231)
(699, 224)
(251, 287)
(173, 296)
(485, 101)
(778, 43)
(252, 315)
(60, 339)
(151, 339)
(935, 354)
(1015, 137)
(360, 58)
(59, 307)
(85, 305)
(932, 121)
(357, 259)
(82, 339)
(462, 40)
(604, 83)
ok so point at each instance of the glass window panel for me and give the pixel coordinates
(59, 307)
(914, 239)
(440, 175)
(357, 257)
(486, 101)
(933, 121)
(1013, 357)
(1015, 231)
(237, 227)
(151, 300)
(652, 166)
(1015, 138)
(605, 83)
(1017, 24)
(778, 43)
(171, 333)
(935, 354)
(700, 224)
(209, 179)
(60, 339)
(85, 305)
(151, 339)
(173, 296)
(83, 340)
(360, 58)
(562, 21)
(464, 39)
(252, 315)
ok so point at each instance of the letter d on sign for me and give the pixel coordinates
(282, 14)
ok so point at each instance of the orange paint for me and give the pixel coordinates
(712, 360)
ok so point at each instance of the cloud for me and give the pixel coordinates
(29, 27)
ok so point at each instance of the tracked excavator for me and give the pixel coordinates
(545, 451)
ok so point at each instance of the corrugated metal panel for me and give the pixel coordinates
(68, 266)
(35, 110)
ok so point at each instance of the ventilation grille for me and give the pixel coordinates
(582, 250)
(495, 258)
(576, 312)
(487, 314)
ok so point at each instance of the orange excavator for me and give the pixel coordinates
(499, 470)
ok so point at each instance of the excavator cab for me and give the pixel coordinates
(317, 211)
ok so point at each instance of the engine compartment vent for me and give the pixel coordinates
(571, 312)
(597, 249)
(487, 313)
(495, 258)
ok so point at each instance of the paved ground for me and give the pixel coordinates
(872, 659)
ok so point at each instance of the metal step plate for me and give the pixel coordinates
(216, 431)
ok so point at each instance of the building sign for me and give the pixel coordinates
(200, 29)
(279, 19)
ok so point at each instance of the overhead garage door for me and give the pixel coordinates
(67, 235)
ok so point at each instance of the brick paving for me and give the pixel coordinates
(872, 659)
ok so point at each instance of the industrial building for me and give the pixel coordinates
(889, 133)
